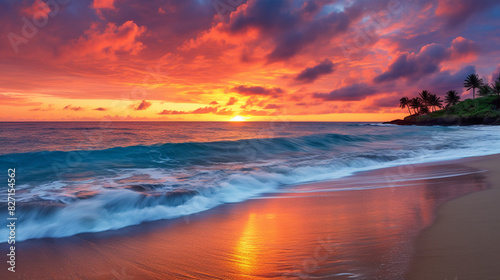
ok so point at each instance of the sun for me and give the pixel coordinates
(238, 119)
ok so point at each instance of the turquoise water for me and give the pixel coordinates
(92, 177)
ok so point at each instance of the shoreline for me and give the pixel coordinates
(464, 240)
(377, 225)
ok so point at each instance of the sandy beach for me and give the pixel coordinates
(250, 139)
(464, 242)
(366, 229)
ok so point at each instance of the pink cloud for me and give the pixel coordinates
(462, 48)
(37, 10)
(103, 4)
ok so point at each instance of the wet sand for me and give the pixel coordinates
(464, 242)
(360, 227)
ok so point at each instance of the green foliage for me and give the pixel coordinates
(472, 111)
(479, 107)
(483, 110)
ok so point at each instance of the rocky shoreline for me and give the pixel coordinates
(480, 111)
(446, 121)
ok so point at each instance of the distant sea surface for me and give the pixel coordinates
(76, 177)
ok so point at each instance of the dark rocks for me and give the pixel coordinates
(399, 122)
(447, 121)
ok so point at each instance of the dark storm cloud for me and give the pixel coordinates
(454, 12)
(311, 74)
(289, 25)
(258, 90)
(354, 92)
(441, 82)
(386, 102)
(414, 65)
(427, 61)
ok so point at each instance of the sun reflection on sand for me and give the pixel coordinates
(258, 234)
(247, 249)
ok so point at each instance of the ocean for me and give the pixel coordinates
(77, 177)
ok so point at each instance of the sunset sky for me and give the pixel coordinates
(212, 60)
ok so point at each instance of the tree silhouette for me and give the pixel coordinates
(452, 98)
(425, 95)
(405, 103)
(435, 102)
(472, 82)
(416, 104)
(495, 87)
(423, 110)
(485, 90)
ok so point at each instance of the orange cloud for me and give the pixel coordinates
(199, 111)
(142, 106)
(232, 100)
(73, 108)
(107, 43)
(50, 107)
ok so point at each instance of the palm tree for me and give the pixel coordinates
(472, 82)
(435, 101)
(424, 110)
(416, 104)
(452, 98)
(425, 95)
(405, 103)
(485, 90)
(495, 87)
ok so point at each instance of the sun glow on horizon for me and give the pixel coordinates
(238, 119)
